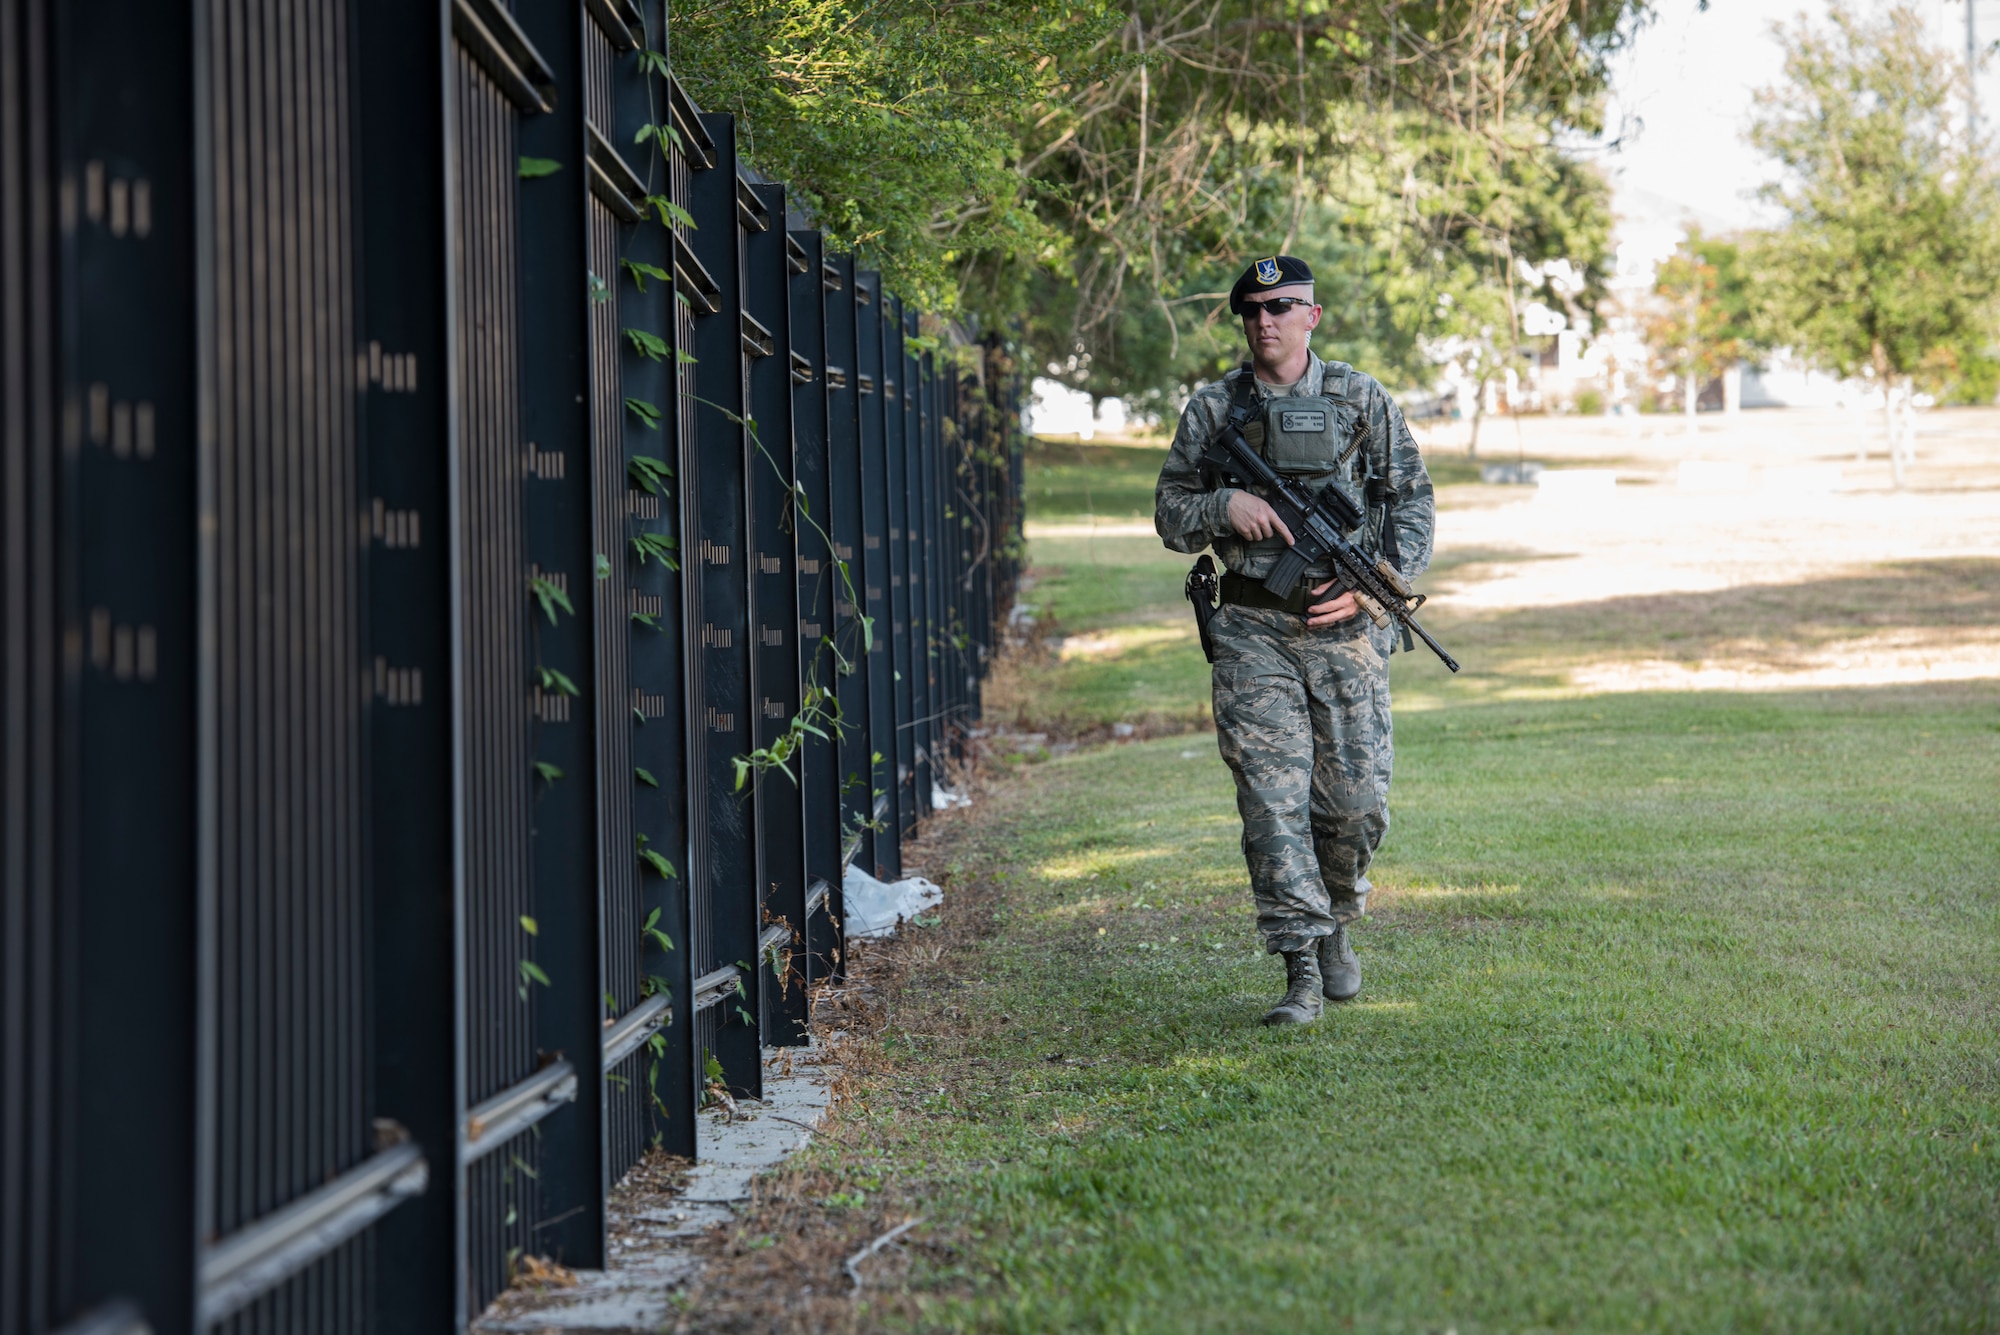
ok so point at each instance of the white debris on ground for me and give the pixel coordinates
(945, 799)
(874, 908)
(653, 1241)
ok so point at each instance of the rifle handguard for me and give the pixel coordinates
(1394, 579)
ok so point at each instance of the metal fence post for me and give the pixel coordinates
(567, 568)
(401, 83)
(916, 419)
(874, 577)
(770, 259)
(724, 879)
(659, 1092)
(98, 644)
(896, 392)
(819, 759)
(844, 506)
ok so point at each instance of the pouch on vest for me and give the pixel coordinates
(1310, 439)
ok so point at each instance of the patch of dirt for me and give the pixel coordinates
(783, 1266)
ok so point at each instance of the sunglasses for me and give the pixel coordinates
(1274, 308)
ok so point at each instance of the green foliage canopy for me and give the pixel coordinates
(1094, 177)
(1888, 262)
(894, 123)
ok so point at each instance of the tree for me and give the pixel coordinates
(1705, 320)
(1402, 147)
(1888, 264)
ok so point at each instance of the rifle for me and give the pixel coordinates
(1317, 522)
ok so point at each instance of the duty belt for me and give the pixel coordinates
(1242, 591)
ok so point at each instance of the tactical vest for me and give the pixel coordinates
(1321, 439)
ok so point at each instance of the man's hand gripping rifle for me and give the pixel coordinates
(1317, 523)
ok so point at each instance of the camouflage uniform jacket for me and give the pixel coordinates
(1190, 517)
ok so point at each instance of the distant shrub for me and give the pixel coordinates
(1589, 402)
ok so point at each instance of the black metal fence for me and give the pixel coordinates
(475, 565)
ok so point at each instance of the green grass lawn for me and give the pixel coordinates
(1679, 1010)
(1679, 1015)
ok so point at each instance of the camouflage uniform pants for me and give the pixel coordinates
(1302, 717)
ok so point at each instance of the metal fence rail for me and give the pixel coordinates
(477, 567)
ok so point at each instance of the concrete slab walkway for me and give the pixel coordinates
(652, 1241)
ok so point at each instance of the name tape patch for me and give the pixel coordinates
(1314, 420)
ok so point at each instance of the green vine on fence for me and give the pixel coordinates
(530, 972)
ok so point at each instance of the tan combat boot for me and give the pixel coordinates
(1339, 971)
(1301, 1004)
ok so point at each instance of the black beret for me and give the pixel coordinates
(1272, 271)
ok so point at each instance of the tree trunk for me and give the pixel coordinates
(1688, 394)
(1907, 428)
(1889, 387)
(1478, 414)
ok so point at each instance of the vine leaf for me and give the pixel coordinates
(645, 412)
(659, 546)
(548, 772)
(654, 63)
(650, 346)
(651, 928)
(670, 211)
(648, 472)
(551, 596)
(645, 776)
(599, 293)
(534, 167)
(640, 272)
(647, 856)
(646, 619)
(531, 972)
(553, 680)
(530, 926)
(662, 135)
(603, 566)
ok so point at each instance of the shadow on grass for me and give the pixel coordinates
(1915, 609)
(1915, 605)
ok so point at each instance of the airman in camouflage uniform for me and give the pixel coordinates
(1301, 692)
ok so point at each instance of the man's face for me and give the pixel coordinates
(1276, 340)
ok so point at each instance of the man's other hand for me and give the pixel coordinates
(1252, 517)
(1333, 610)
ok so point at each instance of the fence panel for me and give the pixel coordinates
(387, 558)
